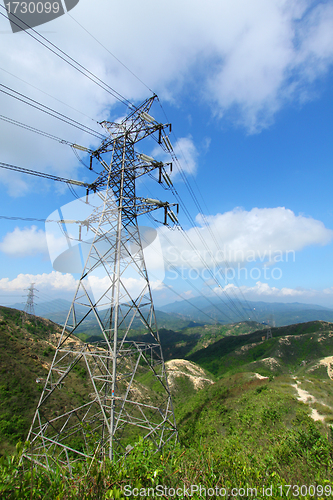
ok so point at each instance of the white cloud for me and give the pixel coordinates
(56, 284)
(187, 153)
(264, 234)
(246, 58)
(28, 242)
(262, 291)
(24, 242)
(53, 281)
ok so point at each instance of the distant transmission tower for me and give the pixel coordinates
(29, 306)
(271, 322)
(110, 421)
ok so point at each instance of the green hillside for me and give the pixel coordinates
(241, 433)
(289, 347)
(238, 405)
(26, 351)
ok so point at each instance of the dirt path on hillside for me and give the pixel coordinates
(328, 362)
(308, 398)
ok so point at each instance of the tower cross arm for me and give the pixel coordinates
(147, 205)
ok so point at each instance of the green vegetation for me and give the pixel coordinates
(243, 431)
(186, 340)
(239, 433)
(289, 348)
(27, 348)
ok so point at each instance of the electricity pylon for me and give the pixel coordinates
(111, 420)
(29, 306)
(271, 323)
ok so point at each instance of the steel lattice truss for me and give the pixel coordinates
(29, 306)
(114, 412)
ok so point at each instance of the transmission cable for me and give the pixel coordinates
(8, 166)
(49, 95)
(70, 60)
(174, 156)
(174, 268)
(190, 283)
(233, 303)
(210, 229)
(230, 302)
(181, 203)
(36, 130)
(45, 109)
(115, 57)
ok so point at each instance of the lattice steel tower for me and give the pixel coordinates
(114, 414)
(29, 306)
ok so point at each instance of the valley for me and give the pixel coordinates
(250, 410)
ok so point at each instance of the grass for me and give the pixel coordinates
(304, 344)
(241, 432)
(26, 353)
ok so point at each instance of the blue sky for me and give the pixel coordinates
(248, 87)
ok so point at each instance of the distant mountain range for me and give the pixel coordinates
(201, 311)
(212, 310)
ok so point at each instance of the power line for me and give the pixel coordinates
(49, 95)
(175, 269)
(35, 130)
(7, 166)
(115, 57)
(28, 219)
(69, 60)
(196, 201)
(45, 109)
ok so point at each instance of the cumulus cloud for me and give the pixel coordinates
(28, 242)
(53, 281)
(24, 242)
(246, 58)
(263, 291)
(264, 234)
(57, 284)
(187, 153)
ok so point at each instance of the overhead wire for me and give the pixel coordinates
(113, 55)
(231, 305)
(49, 95)
(28, 219)
(216, 263)
(196, 201)
(205, 266)
(46, 109)
(72, 62)
(35, 130)
(50, 136)
(44, 175)
(68, 59)
(190, 282)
